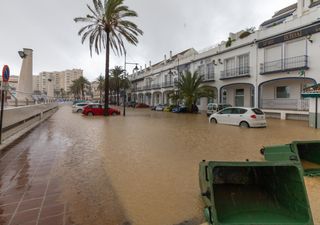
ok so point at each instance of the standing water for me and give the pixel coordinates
(142, 169)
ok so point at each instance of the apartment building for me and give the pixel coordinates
(60, 80)
(266, 68)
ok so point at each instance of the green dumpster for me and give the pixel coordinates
(304, 153)
(254, 193)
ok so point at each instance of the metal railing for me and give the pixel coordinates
(283, 65)
(167, 84)
(285, 104)
(147, 87)
(208, 77)
(236, 72)
(156, 86)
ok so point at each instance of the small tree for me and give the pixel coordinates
(190, 89)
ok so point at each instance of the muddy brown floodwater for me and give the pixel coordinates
(142, 169)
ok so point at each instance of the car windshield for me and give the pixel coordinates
(257, 111)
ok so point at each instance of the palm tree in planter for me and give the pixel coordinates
(190, 89)
(107, 27)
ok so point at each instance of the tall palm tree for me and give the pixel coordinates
(75, 89)
(190, 88)
(107, 26)
(78, 86)
(83, 84)
(100, 87)
(116, 80)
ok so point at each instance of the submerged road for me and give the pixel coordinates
(141, 169)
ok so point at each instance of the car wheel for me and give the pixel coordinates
(79, 110)
(244, 124)
(213, 120)
(90, 114)
(114, 113)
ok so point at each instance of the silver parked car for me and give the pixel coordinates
(78, 108)
(240, 116)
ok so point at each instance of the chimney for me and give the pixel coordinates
(170, 55)
(150, 64)
(140, 68)
(145, 66)
(165, 59)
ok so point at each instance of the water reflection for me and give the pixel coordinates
(151, 159)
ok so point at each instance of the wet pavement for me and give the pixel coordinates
(137, 170)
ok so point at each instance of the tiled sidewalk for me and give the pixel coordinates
(29, 193)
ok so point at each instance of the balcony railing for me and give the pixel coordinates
(147, 87)
(285, 104)
(284, 65)
(208, 77)
(156, 86)
(139, 88)
(167, 84)
(243, 71)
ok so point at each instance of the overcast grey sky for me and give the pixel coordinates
(48, 28)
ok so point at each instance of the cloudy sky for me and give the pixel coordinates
(48, 28)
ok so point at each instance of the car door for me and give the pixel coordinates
(237, 115)
(224, 116)
(234, 116)
(100, 110)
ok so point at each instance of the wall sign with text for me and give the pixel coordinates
(290, 36)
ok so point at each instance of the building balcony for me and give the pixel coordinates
(139, 88)
(156, 86)
(207, 77)
(284, 65)
(167, 84)
(285, 104)
(235, 73)
(147, 87)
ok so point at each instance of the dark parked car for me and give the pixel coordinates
(142, 105)
(179, 109)
(131, 104)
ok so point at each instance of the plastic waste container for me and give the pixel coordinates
(304, 153)
(254, 193)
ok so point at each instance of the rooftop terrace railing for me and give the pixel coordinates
(284, 65)
(243, 71)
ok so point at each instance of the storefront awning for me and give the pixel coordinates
(311, 92)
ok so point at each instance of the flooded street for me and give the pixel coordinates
(141, 169)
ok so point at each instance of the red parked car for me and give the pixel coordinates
(98, 110)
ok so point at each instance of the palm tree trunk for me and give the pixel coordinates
(106, 88)
(118, 96)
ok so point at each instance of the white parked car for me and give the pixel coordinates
(160, 107)
(240, 116)
(78, 108)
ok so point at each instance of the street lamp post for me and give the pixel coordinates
(124, 76)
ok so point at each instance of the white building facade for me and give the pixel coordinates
(267, 68)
